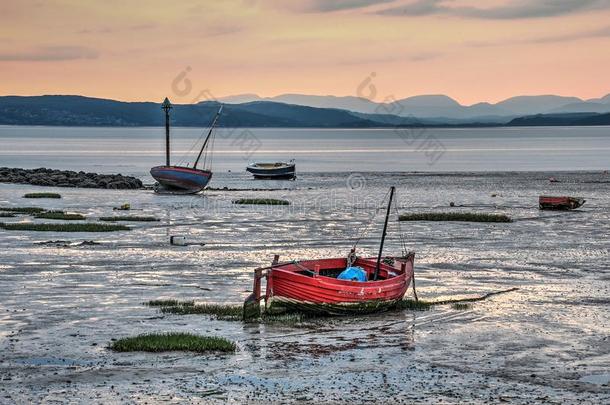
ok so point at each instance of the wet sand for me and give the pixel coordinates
(548, 342)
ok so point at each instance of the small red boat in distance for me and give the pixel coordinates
(322, 286)
(559, 203)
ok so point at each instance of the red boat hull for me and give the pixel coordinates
(289, 285)
(559, 203)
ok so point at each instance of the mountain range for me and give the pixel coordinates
(290, 111)
(442, 108)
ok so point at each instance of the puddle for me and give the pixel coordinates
(599, 379)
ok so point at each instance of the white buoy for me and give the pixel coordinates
(177, 240)
(182, 241)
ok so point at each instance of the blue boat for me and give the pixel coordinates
(183, 179)
(273, 171)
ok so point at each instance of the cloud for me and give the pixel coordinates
(514, 9)
(50, 53)
(408, 57)
(326, 6)
(597, 33)
(417, 8)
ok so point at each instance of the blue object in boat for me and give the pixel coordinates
(353, 274)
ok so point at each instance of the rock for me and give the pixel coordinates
(67, 178)
(117, 185)
(87, 184)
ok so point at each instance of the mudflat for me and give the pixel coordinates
(63, 303)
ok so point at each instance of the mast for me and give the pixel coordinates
(166, 106)
(207, 138)
(385, 228)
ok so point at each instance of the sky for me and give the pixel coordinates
(191, 50)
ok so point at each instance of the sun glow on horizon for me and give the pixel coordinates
(134, 52)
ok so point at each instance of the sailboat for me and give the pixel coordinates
(183, 179)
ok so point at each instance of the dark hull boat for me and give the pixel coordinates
(270, 171)
(560, 203)
(183, 179)
(320, 286)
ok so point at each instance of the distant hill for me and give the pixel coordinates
(585, 106)
(571, 119)
(522, 105)
(442, 108)
(86, 111)
(602, 100)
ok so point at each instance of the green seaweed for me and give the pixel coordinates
(261, 201)
(59, 215)
(162, 342)
(461, 306)
(455, 216)
(7, 214)
(168, 303)
(23, 210)
(80, 227)
(288, 318)
(419, 305)
(132, 218)
(42, 195)
(286, 314)
(220, 311)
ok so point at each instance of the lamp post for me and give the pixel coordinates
(166, 106)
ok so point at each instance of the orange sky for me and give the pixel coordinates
(133, 50)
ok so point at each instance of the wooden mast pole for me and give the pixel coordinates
(385, 228)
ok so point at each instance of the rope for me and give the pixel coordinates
(203, 133)
(210, 150)
(403, 243)
(368, 225)
(183, 158)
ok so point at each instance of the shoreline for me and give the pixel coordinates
(388, 127)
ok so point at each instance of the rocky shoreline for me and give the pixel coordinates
(68, 178)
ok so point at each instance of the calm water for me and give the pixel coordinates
(134, 150)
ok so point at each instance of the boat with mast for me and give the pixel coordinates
(334, 286)
(184, 179)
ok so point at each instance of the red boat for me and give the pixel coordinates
(559, 203)
(312, 285)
